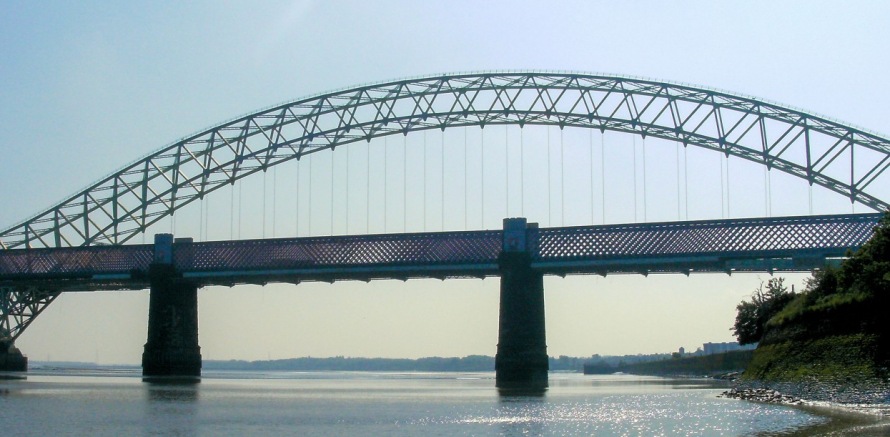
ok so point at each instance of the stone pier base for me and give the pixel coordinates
(172, 347)
(521, 361)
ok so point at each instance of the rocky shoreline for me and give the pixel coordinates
(761, 395)
(872, 399)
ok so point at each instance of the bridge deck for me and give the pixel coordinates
(767, 244)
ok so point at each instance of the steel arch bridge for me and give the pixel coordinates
(123, 205)
(824, 152)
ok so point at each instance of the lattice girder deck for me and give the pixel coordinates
(470, 253)
(769, 244)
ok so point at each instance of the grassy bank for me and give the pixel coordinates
(832, 342)
(851, 357)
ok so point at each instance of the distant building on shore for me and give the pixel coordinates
(714, 348)
(719, 348)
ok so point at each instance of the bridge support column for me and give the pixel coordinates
(172, 346)
(521, 361)
(11, 358)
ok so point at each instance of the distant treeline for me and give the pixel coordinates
(704, 365)
(472, 363)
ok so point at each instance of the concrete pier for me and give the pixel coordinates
(521, 361)
(172, 346)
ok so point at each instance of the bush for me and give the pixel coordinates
(752, 317)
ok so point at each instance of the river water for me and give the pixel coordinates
(118, 402)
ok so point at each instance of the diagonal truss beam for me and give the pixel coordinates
(19, 306)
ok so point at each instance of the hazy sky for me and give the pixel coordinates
(87, 87)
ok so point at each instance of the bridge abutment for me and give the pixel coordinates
(172, 346)
(11, 359)
(521, 361)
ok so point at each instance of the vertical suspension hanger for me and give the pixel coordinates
(765, 192)
(442, 142)
(482, 176)
(549, 183)
(309, 201)
(423, 173)
(686, 180)
(297, 197)
(521, 171)
(728, 190)
(603, 170)
(634, 143)
(385, 181)
(368, 189)
(265, 195)
(207, 219)
(810, 188)
(405, 182)
(274, 197)
(562, 178)
(590, 149)
(201, 220)
(722, 189)
(645, 197)
(677, 156)
(466, 178)
(507, 169)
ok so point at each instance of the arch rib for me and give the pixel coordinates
(125, 204)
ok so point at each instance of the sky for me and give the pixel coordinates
(88, 87)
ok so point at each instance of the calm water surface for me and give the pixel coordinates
(342, 403)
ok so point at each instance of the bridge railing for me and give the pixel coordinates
(345, 254)
(725, 237)
(757, 244)
(74, 262)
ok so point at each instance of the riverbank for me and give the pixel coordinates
(828, 347)
(844, 419)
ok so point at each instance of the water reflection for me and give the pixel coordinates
(522, 413)
(524, 392)
(330, 403)
(172, 407)
(172, 391)
(12, 376)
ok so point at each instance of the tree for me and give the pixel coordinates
(857, 293)
(752, 316)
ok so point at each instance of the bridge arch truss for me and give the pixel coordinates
(824, 152)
